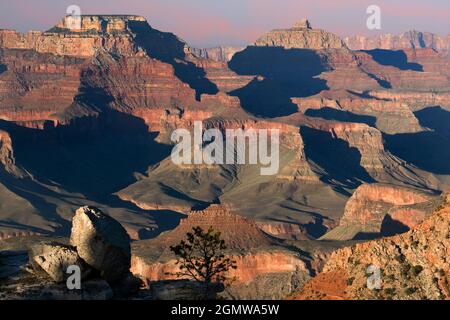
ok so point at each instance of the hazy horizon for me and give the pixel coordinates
(239, 22)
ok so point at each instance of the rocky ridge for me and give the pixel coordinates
(407, 40)
(414, 265)
(383, 210)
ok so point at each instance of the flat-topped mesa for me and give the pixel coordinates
(80, 36)
(301, 36)
(98, 23)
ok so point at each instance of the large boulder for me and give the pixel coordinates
(102, 242)
(53, 259)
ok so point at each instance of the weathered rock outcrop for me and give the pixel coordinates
(301, 36)
(40, 271)
(388, 116)
(54, 259)
(102, 242)
(282, 230)
(413, 265)
(383, 209)
(7, 159)
(219, 54)
(110, 33)
(407, 70)
(20, 282)
(368, 141)
(416, 100)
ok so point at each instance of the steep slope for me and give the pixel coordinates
(218, 54)
(381, 210)
(413, 265)
(279, 197)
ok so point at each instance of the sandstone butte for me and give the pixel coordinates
(265, 268)
(301, 35)
(414, 265)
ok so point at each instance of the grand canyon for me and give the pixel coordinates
(86, 117)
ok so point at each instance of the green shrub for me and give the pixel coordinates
(389, 291)
(416, 270)
(350, 281)
(410, 291)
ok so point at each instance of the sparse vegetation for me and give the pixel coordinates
(415, 243)
(416, 270)
(409, 291)
(201, 257)
(389, 291)
(405, 270)
(350, 281)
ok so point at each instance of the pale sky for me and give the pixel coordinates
(207, 23)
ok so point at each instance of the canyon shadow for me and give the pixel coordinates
(280, 74)
(397, 58)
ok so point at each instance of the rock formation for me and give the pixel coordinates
(407, 40)
(218, 54)
(382, 209)
(413, 266)
(388, 116)
(301, 36)
(95, 34)
(102, 242)
(101, 251)
(54, 259)
(86, 117)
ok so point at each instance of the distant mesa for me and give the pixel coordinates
(99, 23)
(80, 38)
(301, 36)
(407, 40)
